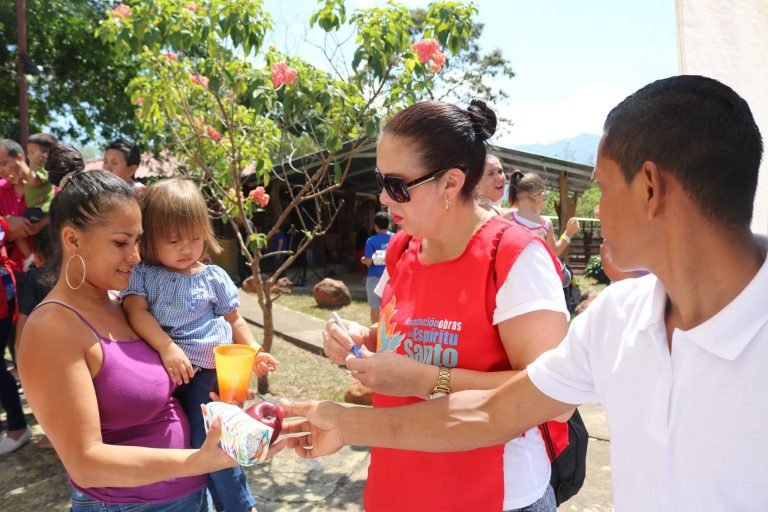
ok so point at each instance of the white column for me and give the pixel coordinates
(728, 40)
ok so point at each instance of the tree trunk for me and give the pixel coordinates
(269, 332)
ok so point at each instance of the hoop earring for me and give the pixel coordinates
(66, 272)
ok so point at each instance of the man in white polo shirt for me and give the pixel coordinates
(678, 359)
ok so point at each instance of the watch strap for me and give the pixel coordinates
(443, 385)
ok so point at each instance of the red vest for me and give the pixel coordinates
(441, 314)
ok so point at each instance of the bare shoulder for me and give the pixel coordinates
(53, 327)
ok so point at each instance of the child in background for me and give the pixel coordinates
(38, 191)
(18, 433)
(122, 158)
(184, 308)
(38, 282)
(375, 248)
(527, 193)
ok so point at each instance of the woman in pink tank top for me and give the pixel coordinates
(100, 392)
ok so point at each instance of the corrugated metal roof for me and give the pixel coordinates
(360, 177)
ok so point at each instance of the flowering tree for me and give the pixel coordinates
(222, 103)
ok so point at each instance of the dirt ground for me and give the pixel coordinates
(33, 479)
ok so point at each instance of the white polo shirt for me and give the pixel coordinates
(689, 429)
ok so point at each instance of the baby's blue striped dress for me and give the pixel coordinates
(190, 308)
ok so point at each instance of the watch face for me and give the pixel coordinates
(436, 394)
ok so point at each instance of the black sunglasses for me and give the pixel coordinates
(398, 188)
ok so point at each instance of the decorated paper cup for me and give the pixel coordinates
(242, 437)
(234, 367)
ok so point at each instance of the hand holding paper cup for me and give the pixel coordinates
(234, 367)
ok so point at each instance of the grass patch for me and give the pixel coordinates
(358, 311)
(303, 375)
(588, 284)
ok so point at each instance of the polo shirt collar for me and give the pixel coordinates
(729, 332)
(652, 312)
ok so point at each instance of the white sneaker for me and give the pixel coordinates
(8, 445)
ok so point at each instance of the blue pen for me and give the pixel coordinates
(337, 320)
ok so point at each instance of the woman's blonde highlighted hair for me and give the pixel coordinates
(174, 207)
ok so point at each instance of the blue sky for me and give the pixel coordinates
(574, 59)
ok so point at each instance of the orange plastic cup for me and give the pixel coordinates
(234, 367)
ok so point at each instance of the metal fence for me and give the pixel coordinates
(585, 244)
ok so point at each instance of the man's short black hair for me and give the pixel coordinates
(128, 149)
(381, 220)
(698, 130)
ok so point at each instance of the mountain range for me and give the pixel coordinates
(580, 149)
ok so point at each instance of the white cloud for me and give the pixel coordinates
(583, 110)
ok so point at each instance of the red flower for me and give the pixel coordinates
(264, 200)
(121, 11)
(212, 133)
(425, 49)
(138, 101)
(282, 74)
(200, 80)
(192, 6)
(171, 57)
(257, 193)
(199, 121)
(438, 61)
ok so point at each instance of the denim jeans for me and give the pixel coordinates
(546, 503)
(228, 487)
(83, 503)
(9, 393)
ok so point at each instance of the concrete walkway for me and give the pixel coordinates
(287, 483)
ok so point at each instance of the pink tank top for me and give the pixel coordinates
(137, 408)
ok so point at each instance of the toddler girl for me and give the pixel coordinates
(527, 193)
(184, 308)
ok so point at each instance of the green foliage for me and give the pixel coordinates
(83, 78)
(594, 269)
(208, 90)
(588, 201)
(469, 73)
(331, 16)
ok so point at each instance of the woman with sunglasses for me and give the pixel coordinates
(468, 300)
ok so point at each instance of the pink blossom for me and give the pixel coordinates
(425, 49)
(121, 11)
(290, 76)
(200, 80)
(171, 57)
(260, 196)
(282, 74)
(139, 101)
(257, 193)
(192, 7)
(212, 133)
(199, 121)
(438, 61)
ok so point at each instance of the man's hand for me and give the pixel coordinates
(18, 227)
(321, 428)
